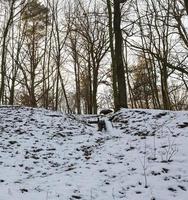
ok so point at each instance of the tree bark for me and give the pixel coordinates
(186, 6)
(113, 65)
(122, 94)
(3, 55)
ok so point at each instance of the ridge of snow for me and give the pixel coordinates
(49, 155)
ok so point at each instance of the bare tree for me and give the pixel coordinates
(34, 21)
(118, 66)
(90, 26)
(6, 28)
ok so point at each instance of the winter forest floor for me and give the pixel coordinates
(45, 155)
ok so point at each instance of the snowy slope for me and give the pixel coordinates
(47, 155)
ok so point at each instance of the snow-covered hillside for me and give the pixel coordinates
(47, 155)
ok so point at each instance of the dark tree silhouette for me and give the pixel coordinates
(186, 5)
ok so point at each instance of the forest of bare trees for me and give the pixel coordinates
(80, 56)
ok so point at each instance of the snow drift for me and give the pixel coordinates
(48, 155)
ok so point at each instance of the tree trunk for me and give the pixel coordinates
(113, 65)
(95, 85)
(164, 88)
(186, 5)
(77, 74)
(90, 96)
(122, 94)
(3, 54)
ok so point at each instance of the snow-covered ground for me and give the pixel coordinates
(47, 155)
